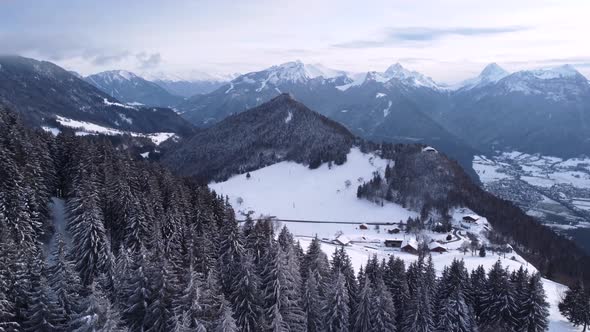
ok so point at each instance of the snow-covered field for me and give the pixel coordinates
(87, 128)
(290, 191)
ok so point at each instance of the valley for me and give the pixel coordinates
(552, 189)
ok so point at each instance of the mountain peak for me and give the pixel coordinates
(563, 71)
(395, 68)
(493, 70)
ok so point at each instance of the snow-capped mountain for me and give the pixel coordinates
(491, 74)
(392, 106)
(41, 91)
(537, 111)
(403, 75)
(130, 88)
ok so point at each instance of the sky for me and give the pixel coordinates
(448, 40)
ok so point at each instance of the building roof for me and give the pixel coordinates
(343, 239)
(471, 216)
(434, 245)
(410, 242)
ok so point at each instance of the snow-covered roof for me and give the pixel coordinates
(410, 242)
(429, 149)
(471, 216)
(343, 239)
(434, 245)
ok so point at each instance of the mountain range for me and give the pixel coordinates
(536, 111)
(42, 92)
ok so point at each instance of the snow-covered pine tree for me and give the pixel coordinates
(316, 261)
(418, 316)
(394, 277)
(97, 314)
(362, 315)
(226, 321)
(476, 291)
(63, 278)
(336, 309)
(500, 310)
(159, 316)
(44, 312)
(383, 308)
(575, 306)
(231, 250)
(454, 314)
(246, 297)
(312, 304)
(534, 309)
(138, 292)
(341, 262)
(89, 243)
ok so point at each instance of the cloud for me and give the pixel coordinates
(107, 59)
(148, 61)
(394, 36)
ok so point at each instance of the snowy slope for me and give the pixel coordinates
(292, 191)
(87, 128)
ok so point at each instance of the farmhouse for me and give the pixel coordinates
(410, 246)
(393, 231)
(436, 247)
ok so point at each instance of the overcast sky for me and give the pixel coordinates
(447, 40)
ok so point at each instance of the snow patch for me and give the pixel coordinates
(109, 103)
(386, 111)
(380, 95)
(54, 131)
(289, 117)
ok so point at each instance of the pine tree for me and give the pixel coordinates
(86, 226)
(226, 322)
(160, 316)
(245, 297)
(231, 251)
(44, 312)
(576, 306)
(534, 309)
(63, 278)
(312, 304)
(383, 309)
(476, 291)
(418, 315)
(455, 315)
(498, 301)
(336, 309)
(362, 315)
(98, 313)
(138, 291)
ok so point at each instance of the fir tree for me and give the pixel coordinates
(576, 306)
(63, 278)
(98, 313)
(498, 301)
(336, 310)
(312, 304)
(534, 310)
(245, 297)
(362, 315)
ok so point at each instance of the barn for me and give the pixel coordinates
(410, 246)
(436, 247)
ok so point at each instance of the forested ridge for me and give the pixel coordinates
(144, 250)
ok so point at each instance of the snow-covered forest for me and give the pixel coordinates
(143, 250)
